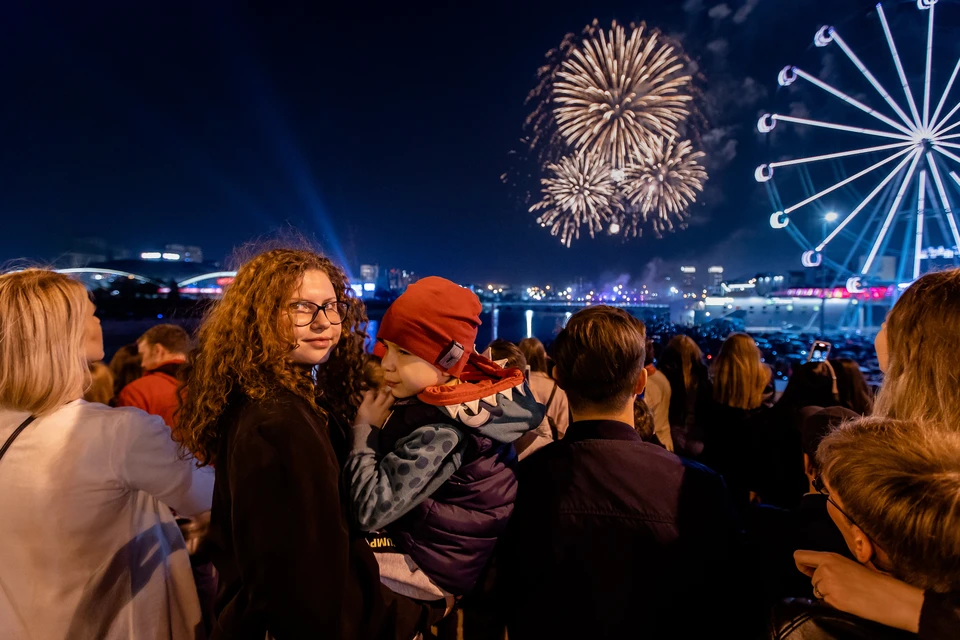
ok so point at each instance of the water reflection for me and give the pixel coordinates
(510, 324)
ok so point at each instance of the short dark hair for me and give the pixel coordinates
(817, 424)
(535, 354)
(172, 337)
(599, 356)
(501, 349)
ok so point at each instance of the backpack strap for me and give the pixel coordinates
(17, 431)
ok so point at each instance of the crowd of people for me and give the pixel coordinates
(268, 478)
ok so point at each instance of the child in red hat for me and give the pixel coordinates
(432, 470)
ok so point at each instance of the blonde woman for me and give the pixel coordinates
(739, 379)
(917, 349)
(100, 388)
(90, 549)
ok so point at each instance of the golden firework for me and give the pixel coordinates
(616, 95)
(579, 192)
(661, 185)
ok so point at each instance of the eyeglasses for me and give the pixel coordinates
(304, 312)
(821, 488)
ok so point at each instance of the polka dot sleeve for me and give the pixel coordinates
(384, 488)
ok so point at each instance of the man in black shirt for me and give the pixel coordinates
(613, 537)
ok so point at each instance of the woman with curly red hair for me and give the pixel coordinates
(276, 374)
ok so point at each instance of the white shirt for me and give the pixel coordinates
(657, 397)
(89, 548)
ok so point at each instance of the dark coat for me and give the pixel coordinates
(289, 563)
(613, 537)
(452, 533)
(777, 533)
(800, 619)
(776, 456)
(727, 448)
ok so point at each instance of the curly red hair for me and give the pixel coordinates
(242, 346)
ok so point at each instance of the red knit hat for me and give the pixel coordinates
(436, 320)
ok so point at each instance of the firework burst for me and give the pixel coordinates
(616, 95)
(661, 186)
(579, 192)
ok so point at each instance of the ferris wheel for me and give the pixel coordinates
(893, 219)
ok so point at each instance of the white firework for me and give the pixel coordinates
(579, 192)
(917, 146)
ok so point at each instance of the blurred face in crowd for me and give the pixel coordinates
(880, 342)
(316, 340)
(152, 355)
(406, 375)
(92, 335)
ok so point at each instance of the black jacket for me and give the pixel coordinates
(288, 562)
(727, 448)
(613, 537)
(800, 619)
(776, 456)
(777, 533)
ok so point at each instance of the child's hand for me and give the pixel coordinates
(375, 408)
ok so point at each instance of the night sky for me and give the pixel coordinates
(382, 129)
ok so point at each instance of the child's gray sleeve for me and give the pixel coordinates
(382, 489)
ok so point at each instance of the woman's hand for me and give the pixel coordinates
(854, 588)
(375, 408)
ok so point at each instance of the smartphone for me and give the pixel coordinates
(819, 351)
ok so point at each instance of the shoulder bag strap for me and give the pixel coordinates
(13, 436)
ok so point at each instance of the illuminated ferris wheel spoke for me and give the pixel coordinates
(841, 154)
(938, 146)
(926, 81)
(869, 76)
(896, 59)
(918, 244)
(893, 211)
(943, 98)
(940, 127)
(952, 145)
(850, 100)
(873, 194)
(942, 192)
(846, 181)
(840, 127)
